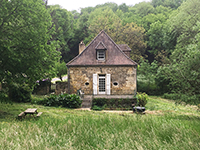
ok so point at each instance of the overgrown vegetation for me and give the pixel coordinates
(167, 126)
(142, 99)
(19, 92)
(112, 104)
(62, 100)
(193, 99)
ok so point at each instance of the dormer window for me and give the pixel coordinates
(101, 51)
(101, 54)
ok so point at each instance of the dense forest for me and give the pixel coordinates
(164, 35)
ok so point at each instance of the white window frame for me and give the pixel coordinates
(101, 53)
(102, 77)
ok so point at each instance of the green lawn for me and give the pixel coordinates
(164, 126)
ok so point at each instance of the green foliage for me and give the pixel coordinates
(144, 86)
(19, 93)
(162, 80)
(146, 77)
(183, 70)
(142, 99)
(63, 21)
(37, 99)
(143, 9)
(61, 69)
(174, 4)
(98, 108)
(130, 33)
(3, 97)
(27, 54)
(64, 100)
(187, 99)
(112, 104)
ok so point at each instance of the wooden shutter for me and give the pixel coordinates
(108, 84)
(95, 84)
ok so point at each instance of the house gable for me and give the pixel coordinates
(100, 46)
(114, 54)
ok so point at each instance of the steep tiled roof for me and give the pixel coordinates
(114, 55)
(101, 45)
(124, 47)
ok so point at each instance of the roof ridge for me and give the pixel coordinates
(121, 49)
(134, 63)
(85, 48)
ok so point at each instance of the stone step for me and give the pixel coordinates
(86, 103)
(86, 106)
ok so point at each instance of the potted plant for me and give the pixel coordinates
(141, 102)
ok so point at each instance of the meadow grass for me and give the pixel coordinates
(164, 126)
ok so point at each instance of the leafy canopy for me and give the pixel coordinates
(27, 54)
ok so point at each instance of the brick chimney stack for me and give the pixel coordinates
(81, 47)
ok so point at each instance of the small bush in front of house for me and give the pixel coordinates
(112, 104)
(64, 100)
(142, 99)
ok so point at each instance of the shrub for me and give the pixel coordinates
(117, 103)
(64, 100)
(142, 99)
(19, 93)
(95, 107)
(3, 97)
(188, 99)
(37, 99)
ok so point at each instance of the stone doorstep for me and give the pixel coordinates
(86, 104)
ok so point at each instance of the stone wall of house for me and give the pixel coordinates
(61, 87)
(123, 79)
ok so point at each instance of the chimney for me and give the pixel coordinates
(81, 47)
(126, 49)
(127, 53)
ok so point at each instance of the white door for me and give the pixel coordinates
(102, 84)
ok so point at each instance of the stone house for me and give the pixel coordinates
(103, 68)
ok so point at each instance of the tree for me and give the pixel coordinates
(132, 35)
(174, 4)
(61, 69)
(27, 52)
(147, 74)
(181, 25)
(184, 68)
(102, 19)
(63, 21)
(124, 8)
(143, 9)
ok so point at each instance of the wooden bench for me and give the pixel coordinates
(39, 114)
(22, 114)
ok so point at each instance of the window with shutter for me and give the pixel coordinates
(95, 84)
(108, 84)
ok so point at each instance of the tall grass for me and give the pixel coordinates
(60, 128)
